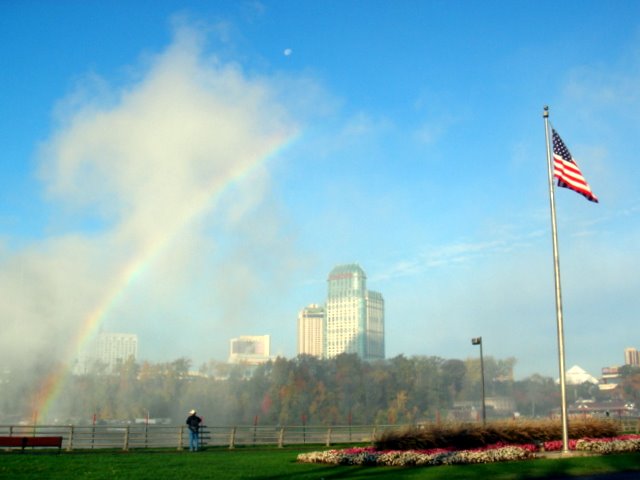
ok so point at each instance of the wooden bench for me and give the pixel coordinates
(24, 442)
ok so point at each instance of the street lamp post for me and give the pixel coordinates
(478, 341)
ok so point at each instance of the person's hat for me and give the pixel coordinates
(192, 412)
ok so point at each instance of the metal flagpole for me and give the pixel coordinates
(556, 268)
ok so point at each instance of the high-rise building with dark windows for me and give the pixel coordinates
(354, 321)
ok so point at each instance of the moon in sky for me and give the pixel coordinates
(287, 52)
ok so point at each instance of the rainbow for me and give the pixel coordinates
(53, 384)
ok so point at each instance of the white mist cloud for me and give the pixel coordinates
(147, 166)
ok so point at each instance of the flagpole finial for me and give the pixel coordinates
(546, 111)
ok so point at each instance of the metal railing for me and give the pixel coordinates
(138, 436)
(630, 425)
(128, 437)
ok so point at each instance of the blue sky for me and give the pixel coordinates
(234, 152)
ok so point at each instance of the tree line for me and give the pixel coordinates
(337, 391)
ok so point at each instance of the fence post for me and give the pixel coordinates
(281, 438)
(180, 438)
(125, 447)
(232, 438)
(328, 444)
(255, 425)
(70, 443)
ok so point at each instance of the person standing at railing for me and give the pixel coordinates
(193, 422)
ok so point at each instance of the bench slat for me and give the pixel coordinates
(44, 441)
(31, 442)
(11, 441)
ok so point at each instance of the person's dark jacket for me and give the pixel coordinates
(194, 422)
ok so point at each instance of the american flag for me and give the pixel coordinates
(566, 170)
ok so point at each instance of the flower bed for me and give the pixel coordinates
(490, 454)
(624, 443)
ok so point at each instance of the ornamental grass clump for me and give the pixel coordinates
(460, 436)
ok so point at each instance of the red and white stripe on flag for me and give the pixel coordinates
(566, 170)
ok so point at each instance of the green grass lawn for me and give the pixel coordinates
(277, 464)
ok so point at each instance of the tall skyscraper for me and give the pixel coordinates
(311, 330)
(354, 315)
(375, 325)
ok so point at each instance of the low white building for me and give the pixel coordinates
(250, 350)
(577, 376)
